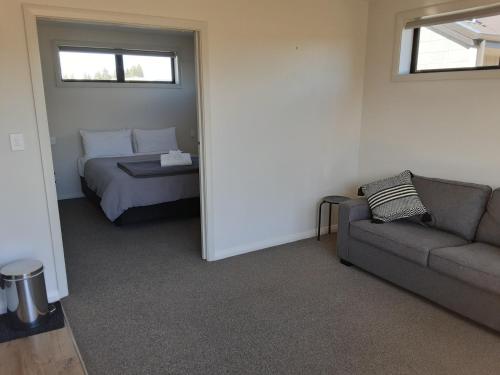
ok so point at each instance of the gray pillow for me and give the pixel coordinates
(99, 143)
(489, 227)
(155, 140)
(455, 206)
(393, 198)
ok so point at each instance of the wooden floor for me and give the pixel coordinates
(51, 353)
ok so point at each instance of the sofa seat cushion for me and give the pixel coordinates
(405, 239)
(477, 264)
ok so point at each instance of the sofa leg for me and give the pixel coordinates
(345, 262)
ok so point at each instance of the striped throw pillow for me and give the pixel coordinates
(393, 198)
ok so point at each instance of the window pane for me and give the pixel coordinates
(439, 52)
(463, 44)
(148, 68)
(85, 66)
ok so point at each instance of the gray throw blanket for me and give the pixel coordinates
(152, 168)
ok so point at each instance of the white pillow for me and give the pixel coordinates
(107, 143)
(157, 140)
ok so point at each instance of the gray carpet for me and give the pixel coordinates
(143, 302)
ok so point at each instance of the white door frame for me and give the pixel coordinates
(34, 12)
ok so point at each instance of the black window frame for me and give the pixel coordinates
(414, 60)
(120, 72)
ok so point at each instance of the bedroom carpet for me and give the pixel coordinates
(143, 302)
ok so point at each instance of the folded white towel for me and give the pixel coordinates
(175, 158)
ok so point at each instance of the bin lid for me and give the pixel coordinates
(21, 269)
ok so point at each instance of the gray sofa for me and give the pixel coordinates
(454, 260)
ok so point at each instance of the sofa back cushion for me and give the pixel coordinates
(455, 207)
(489, 227)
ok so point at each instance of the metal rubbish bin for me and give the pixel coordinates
(24, 283)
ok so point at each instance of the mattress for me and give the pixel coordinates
(119, 191)
(82, 160)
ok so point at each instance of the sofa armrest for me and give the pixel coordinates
(350, 211)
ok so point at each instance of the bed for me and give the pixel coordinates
(125, 199)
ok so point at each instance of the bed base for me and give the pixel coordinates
(182, 208)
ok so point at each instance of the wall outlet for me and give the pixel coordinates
(16, 142)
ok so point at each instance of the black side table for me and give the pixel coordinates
(331, 200)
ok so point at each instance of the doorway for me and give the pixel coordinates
(33, 14)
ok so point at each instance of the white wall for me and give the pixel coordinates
(75, 107)
(448, 128)
(285, 110)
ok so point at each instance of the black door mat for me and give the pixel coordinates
(55, 321)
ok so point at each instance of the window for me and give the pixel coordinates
(85, 64)
(140, 68)
(470, 41)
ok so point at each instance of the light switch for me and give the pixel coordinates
(53, 141)
(17, 142)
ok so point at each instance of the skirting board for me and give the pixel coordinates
(73, 195)
(256, 246)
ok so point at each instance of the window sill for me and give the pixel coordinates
(118, 85)
(442, 76)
